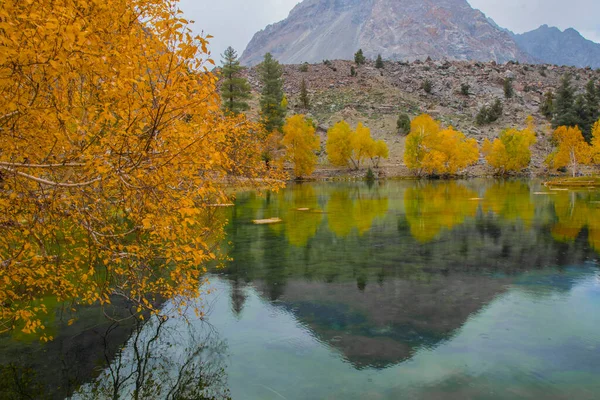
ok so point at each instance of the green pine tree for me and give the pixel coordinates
(304, 95)
(379, 62)
(359, 57)
(580, 111)
(508, 88)
(547, 106)
(592, 108)
(403, 124)
(235, 89)
(564, 112)
(271, 100)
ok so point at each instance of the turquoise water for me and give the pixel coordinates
(404, 290)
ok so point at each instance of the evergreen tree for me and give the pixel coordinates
(592, 108)
(234, 87)
(271, 100)
(427, 86)
(304, 95)
(464, 89)
(379, 62)
(508, 88)
(403, 124)
(359, 57)
(564, 112)
(580, 111)
(547, 106)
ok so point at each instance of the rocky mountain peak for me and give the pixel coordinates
(550, 45)
(397, 29)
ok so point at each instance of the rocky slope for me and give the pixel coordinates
(376, 98)
(551, 45)
(397, 29)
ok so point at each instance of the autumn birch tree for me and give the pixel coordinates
(572, 150)
(511, 151)
(113, 150)
(301, 143)
(431, 150)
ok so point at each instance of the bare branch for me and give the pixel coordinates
(21, 165)
(50, 183)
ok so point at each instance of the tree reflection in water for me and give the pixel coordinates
(164, 359)
(161, 358)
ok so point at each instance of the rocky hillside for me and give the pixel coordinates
(397, 29)
(551, 45)
(377, 96)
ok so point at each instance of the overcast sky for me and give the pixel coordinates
(234, 22)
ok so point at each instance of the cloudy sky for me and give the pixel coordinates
(234, 22)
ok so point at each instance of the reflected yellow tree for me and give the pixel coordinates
(510, 200)
(574, 212)
(347, 211)
(431, 208)
(301, 215)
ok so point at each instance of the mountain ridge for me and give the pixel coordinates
(550, 45)
(408, 30)
(403, 30)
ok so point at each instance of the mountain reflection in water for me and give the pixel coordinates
(476, 289)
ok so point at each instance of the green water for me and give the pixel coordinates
(402, 290)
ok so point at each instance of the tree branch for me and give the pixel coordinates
(21, 165)
(50, 183)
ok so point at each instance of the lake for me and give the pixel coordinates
(478, 289)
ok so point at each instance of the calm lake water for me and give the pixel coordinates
(475, 289)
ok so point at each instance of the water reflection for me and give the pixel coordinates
(577, 214)
(165, 358)
(474, 289)
(431, 207)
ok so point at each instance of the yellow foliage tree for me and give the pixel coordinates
(362, 145)
(113, 150)
(511, 152)
(431, 150)
(572, 149)
(339, 145)
(380, 150)
(345, 146)
(423, 130)
(301, 142)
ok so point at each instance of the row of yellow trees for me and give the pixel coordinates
(344, 146)
(434, 150)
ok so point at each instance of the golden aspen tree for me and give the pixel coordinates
(572, 149)
(434, 151)
(422, 129)
(380, 150)
(113, 151)
(339, 144)
(301, 143)
(345, 146)
(362, 145)
(511, 151)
